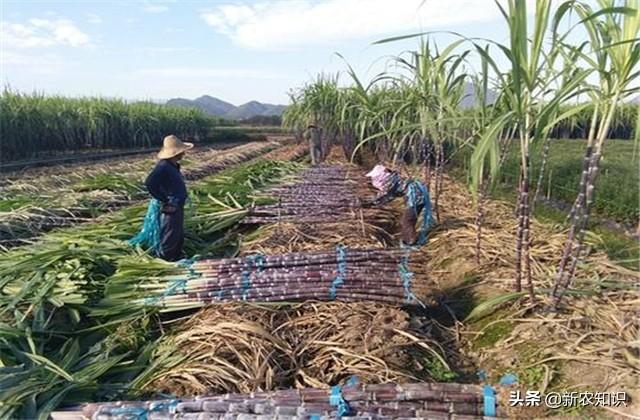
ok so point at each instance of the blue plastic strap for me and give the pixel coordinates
(188, 264)
(407, 278)
(315, 417)
(489, 398)
(141, 413)
(177, 284)
(256, 260)
(508, 379)
(341, 258)
(427, 216)
(337, 400)
(169, 291)
(353, 380)
(137, 413)
(149, 234)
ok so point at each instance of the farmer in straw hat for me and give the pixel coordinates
(165, 184)
(312, 135)
(417, 201)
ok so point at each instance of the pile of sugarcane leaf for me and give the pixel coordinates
(244, 347)
(378, 401)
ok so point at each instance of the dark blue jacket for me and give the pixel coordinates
(165, 183)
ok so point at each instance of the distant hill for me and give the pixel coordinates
(469, 96)
(254, 108)
(220, 108)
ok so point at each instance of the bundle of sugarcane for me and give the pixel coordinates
(381, 275)
(390, 400)
(289, 151)
(324, 194)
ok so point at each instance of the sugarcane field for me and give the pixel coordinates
(421, 209)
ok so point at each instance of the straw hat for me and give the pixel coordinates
(172, 146)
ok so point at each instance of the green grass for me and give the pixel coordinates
(619, 247)
(493, 334)
(617, 196)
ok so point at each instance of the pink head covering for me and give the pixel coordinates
(379, 176)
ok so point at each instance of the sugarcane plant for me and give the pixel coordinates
(613, 53)
(533, 101)
(33, 124)
(316, 103)
(437, 88)
(292, 118)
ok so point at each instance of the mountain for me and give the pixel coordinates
(253, 108)
(219, 108)
(469, 96)
(206, 103)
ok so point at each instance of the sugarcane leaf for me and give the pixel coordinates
(49, 365)
(489, 306)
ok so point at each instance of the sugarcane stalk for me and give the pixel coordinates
(423, 400)
(580, 225)
(543, 166)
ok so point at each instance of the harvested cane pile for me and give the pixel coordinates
(376, 275)
(324, 194)
(226, 347)
(384, 401)
(245, 348)
(321, 209)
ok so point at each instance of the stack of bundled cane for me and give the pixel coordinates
(325, 193)
(380, 275)
(383, 401)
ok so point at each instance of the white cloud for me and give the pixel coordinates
(209, 72)
(293, 24)
(42, 33)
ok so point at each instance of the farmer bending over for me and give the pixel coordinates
(312, 135)
(165, 184)
(417, 201)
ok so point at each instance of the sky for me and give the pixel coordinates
(234, 50)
